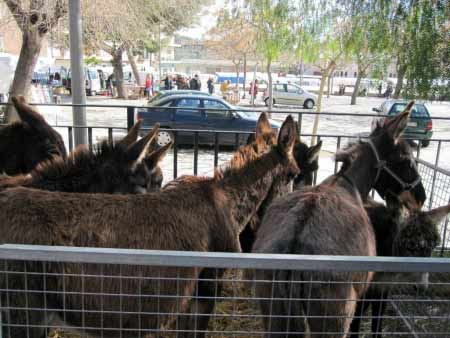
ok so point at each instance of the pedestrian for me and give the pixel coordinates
(148, 86)
(254, 89)
(168, 83)
(195, 83)
(210, 84)
(380, 88)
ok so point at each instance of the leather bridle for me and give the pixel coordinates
(382, 165)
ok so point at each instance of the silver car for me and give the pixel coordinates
(290, 94)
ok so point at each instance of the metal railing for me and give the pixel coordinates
(132, 293)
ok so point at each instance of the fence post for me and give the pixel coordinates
(130, 117)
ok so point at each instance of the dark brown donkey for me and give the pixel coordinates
(128, 167)
(402, 232)
(26, 143)
(321, 220)
(205, 216)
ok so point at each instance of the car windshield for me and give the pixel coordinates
(418, 110)
(156, 97)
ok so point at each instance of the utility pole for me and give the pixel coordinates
(78, 83)
(159, 53)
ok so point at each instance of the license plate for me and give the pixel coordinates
(412, 124)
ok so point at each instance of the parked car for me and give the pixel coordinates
(420, 125)
(164, 93)
(291, 94)
(182, 112)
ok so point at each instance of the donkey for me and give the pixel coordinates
(264, 137)
(209, 216)
(128, 167)
(320, 220)
(26, 143)
(402, 232)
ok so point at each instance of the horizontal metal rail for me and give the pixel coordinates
(221, 259)
(237, 108)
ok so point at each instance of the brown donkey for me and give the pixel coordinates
(321, 220)
(127, 167)
(203, 216)
(26, 143)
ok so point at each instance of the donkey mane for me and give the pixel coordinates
(80, 161)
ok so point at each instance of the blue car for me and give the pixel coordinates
(182, 112)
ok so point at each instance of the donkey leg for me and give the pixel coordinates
(361, 308)
(378, 309)
(203, 305)
(278, 308)
(25, 314)
(329, 317)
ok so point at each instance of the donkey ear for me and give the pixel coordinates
(157, 156)
(286, 137)
(132, 135)
(313, 152)
(138, 150)
(346, 155)
(29, 114)
(297, 133)
(262, 127)
(397, 125)
(401, 209)
(437, 215)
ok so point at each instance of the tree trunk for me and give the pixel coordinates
(134, 66)
(245, 74)
(118, 73)
(401, 71)
(356, 89)
(270, 89)
(330, 75)
(29, 54)
(323, 80)
(237, 77)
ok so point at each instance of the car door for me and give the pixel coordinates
(188, 116)
(220, 120)
(279, 93)
(293, 95)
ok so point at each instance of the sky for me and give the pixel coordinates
(206, 22)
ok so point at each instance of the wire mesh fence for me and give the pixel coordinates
(85, 292)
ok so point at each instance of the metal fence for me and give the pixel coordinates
(75, 292)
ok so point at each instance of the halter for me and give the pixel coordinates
(382, 165)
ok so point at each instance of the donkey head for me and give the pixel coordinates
(307, 160)
(395, 170)
(133, 167)
(42, 142)
(400, 172)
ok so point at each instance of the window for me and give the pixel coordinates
(345, 74)
(294, 89)
(355, 74)
(215, 105)
(279, 88)
(188, 103)
(418, 110)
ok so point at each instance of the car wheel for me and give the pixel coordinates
(425, 143)
(266, 101)
(164, 138)
(309, 104)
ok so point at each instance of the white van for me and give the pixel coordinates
(93, 85)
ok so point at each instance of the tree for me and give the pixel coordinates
(233, 38)
(35, 19)
(324, 40)
(129, 22)
(370, 40)
(271, 20)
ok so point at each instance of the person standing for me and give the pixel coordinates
(195, 83)
(148, 86)
(210, 85)
(168, 83)
(254, 89)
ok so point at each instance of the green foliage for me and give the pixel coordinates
(271, 21)
(92, 61)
